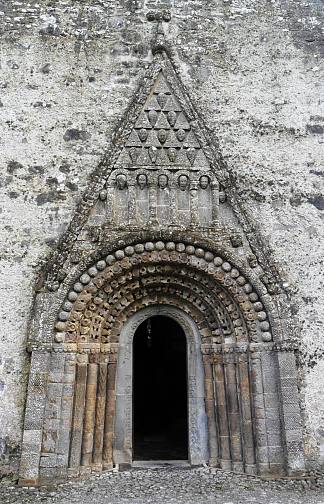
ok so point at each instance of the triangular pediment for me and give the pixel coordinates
(162, 124)
(161, 132)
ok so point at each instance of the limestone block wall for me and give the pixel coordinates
(68, 71)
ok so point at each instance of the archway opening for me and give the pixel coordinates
(160, 397)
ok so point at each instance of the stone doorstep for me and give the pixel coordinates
(28, 483)
(295, 477)
(155, 465)
(158, 464)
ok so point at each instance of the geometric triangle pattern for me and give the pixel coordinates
(162, 135)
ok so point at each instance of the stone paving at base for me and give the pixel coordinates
(168, 486)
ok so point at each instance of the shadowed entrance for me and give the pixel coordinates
(160, 391)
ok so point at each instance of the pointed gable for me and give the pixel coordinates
(152, 104)
(161, 85)
(163, 124)
(160, 130)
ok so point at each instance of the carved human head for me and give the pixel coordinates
(162, 136)
(183, 182)
(121, 181)
(204, 181)
(181, 135)
(172, 117)
(143, 134)
(172, 153)
(142, 180)
(163, 181)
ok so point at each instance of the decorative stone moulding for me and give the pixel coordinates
(163, 134)
(160, 131)
(234, 346)
(173, 269)
(79, 401)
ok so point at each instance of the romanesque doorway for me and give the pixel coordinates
(188, 436)
(235, 371)
(160, 405)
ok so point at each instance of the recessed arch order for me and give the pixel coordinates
(81, 377)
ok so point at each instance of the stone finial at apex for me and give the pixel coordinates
(159, 44)
(159, 16)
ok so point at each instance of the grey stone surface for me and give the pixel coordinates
(197, 419)
(172, 485)
(67, 72)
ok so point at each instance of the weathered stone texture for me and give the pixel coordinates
(68, 71)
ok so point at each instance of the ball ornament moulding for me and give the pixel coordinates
(168, 248)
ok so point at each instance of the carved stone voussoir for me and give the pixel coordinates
(151, 238)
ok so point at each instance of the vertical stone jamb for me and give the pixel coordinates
(64, 434)
(78, 412)
(292, 423)
(89, 415)
(262, 458)
(100, 414)
(221, 408)
(233, 412)
(210, 410)
(246, 414)
(34, 417)
(107, 457)
(49, 462)
(270, 372)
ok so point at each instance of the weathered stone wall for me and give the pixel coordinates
(68, 72)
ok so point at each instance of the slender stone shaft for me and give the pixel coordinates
(233, 412)
(215, 201)
(194, 211)
(246, 420)
(262, 455)
(109, 205)
(100, 413)
(210, 410)
(152, 204)
(110, 415)
(173, 206)
(89, 415)
(78, 414)
(225, 454)
(64, 434)
(132, 205)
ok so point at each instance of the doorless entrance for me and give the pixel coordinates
(175, 363)
(160, 405)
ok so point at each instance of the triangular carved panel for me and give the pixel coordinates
(158, 156)
(162, 124)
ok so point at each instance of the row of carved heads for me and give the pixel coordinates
(163, 181)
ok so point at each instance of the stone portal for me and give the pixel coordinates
(79, 413)
(169, 422)
(161, 232)
(160, 419)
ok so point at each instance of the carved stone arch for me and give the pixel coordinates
(162, 292)
(186, 246)
(234, 291)
(242, 392)
(160, 300)
(198, 433)
(273, 305)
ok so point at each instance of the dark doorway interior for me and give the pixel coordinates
(160, 391)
